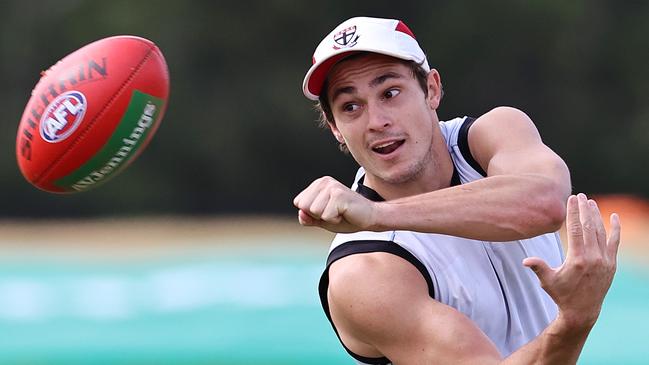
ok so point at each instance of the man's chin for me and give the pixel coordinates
(397, 177)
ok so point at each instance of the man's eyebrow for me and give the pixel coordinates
(374, 83)
(386, 76)
(342, 90)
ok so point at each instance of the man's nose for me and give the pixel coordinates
(379, 119)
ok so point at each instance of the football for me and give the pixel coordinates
(92, 113)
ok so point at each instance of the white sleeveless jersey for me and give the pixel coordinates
(484, 280)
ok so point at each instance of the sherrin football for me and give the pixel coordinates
(92, 114)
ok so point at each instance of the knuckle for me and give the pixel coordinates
(330, 180)
(328, 217)
(574, 229)
(579, 264)
(325, 180)
(588, 225)
(598, 262)
(336, 193)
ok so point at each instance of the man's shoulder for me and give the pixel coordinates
(503, 117)
(507, 113)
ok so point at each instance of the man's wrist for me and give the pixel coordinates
(568, 326)
(381, 217)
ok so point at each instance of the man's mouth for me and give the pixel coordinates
(388, 147)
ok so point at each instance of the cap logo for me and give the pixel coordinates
(346, 38)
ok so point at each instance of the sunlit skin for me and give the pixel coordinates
(378, 106)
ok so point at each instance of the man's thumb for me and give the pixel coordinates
(537, 265)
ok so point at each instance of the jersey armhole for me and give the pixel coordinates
(463, 145)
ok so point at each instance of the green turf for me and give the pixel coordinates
(219, 307)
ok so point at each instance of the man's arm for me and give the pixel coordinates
(380, 303)
(380, 306)
(523, 196)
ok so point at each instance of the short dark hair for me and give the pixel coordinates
(324, 108)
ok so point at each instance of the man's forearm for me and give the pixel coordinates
(497, 208)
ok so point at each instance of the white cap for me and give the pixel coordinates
(385, 36)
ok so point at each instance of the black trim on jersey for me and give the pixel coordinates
(372, 195)
(455, 179)
(367, 246)
(368, 192)
(463, 144)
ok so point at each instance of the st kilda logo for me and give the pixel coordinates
(62, 116)
(346, 38)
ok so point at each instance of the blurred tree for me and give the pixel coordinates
(239, 137)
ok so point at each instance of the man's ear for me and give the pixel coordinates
(434, 85)
(336, 133)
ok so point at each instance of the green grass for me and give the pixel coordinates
(219, 307)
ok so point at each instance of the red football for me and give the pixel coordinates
(92, 114)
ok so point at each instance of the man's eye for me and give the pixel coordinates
(350, 107)
(391, 93)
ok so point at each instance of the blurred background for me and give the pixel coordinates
(193, 256)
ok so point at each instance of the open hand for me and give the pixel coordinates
(579, 285)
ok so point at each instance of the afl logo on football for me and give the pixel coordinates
(62, 116)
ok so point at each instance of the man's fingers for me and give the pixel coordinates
(314, 199)
(304, 218)
(319, 204)
(613, 242)
(323, 204)
(296, 200)
(588, 228)
(573, 227)
(306, 196)
(332, 211)
(540, 268)
(599, 225)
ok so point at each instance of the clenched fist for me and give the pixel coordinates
(328, 204)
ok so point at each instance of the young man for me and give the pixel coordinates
(435, 240)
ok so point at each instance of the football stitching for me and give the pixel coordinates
(97, 116)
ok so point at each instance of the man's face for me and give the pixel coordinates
(384, 117)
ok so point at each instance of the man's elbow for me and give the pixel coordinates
(544, 211)
(555, 213)
(550, 211)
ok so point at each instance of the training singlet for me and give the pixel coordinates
(484, 280)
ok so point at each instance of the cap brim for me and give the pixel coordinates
(315, 78)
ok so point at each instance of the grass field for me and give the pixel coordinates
(207, 291)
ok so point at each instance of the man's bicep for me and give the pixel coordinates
(380, 305)
(445, 336)
(506, 141)
(533, 160)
